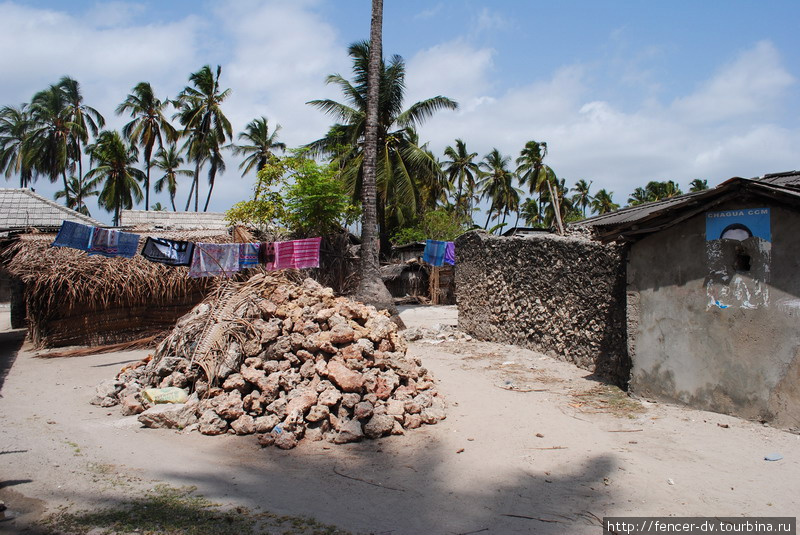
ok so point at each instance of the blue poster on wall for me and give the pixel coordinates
(738, 224)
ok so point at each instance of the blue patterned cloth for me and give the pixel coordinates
(434, 252)
(111, 243)
(248, 255)
(74, 235)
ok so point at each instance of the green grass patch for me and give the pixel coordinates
(166, 510)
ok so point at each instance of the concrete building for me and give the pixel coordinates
(713, 297)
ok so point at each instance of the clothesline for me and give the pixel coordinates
(438, 253)
(203, 259)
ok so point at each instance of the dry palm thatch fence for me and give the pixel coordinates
(76, 299)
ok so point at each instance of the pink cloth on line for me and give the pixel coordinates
(297, 254)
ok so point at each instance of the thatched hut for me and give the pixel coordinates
(75, 299)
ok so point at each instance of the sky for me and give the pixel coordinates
(623, 92)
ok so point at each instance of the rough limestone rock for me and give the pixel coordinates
(212, 423)
(345, 378)
(379, 425)
(562, 295)
(349, 431)
(286, 362)
(244, 425)
(169, 416)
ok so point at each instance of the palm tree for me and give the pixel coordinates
(207, 128)
(698, 185)
(567, 209)
(115, 167)
(371, 288)
(582, 197)
(169, 160)
(147, 127)
(531, 212)
(260, 144)
(158, 208)
(51, 144)
(497, 184)
(462, 171)
(401, 159)
(84, 118)
(603, 202)
(15, 127)
(540, 177)
(77, 193)
(639, 196)
(656, 191)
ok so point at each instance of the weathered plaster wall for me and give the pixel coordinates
(563, 296)
(712, 333)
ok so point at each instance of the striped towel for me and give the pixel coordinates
(108, 242)
(74, 235)
(170, 252)
(450, 253)
(297, 254)
(211, 259)
(248, 255)
(434, 252)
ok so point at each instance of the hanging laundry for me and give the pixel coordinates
(266, 255)
(297, 254)
(74, 235)
(248, 255)
(111, 243)
(170, 252)
(450, 253)
(212, 259)
(434, 252)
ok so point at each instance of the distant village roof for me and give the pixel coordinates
(789, 179)
(525, 231)
(22, 208)
(158, 220)
(635, 221)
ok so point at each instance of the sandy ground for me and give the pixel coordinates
(530, 445)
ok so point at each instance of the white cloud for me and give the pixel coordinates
(116, 13)
(430, 12)
(728, 135)
(749, 85)
(454, 69)
(489, 20)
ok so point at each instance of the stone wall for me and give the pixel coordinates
(564, 296)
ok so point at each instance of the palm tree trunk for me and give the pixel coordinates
(371, 288)
(194, 183)
(147, 187)
(172, 201)
(66, 189)
(211, 178)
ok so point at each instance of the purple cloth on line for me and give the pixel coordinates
(450, 253)
(210, 259)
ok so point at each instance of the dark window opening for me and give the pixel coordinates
(741, 261)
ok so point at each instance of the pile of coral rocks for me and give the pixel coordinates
(286, 361)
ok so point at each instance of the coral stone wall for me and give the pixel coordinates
(564, 296)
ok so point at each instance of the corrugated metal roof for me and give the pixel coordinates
(173, 220)
(640, 211)
(789, 179)
(22, 208)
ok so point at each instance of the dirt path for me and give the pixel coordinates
(484, 469)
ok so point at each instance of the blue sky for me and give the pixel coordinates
(623, 92)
